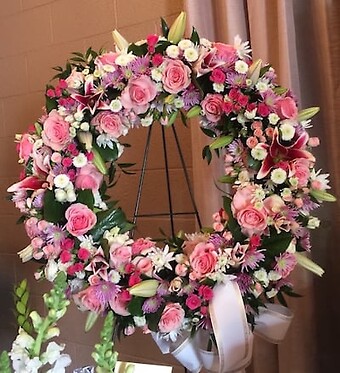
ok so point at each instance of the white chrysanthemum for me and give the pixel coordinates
(71, 195)
(61, 181)
(262, 276)
(250, 114)
(273, 118)
(60, 195)
(185, 44)
(78, 116)
(115, 105)
(172, 51)
(287, 131)
(114, 276)
(109, 68)
(259, 153)
(259, 193)
(191, 54)
(218, 87)
(178, 102)
(294, 182)
(147, 121)
(286, 193)
(258, 205)
(85, 126)
(156, 74)
(262, 86)
(80, 160)
(124, 59)
(313, 222)
(205, 42)
(241, 67)
(278, 176)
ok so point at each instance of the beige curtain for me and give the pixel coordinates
(301, 39)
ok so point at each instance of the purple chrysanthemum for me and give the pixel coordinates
(140, 65)
(38, 201)
(191, 97)
(236, 80)
(217, 240)
(55, 234)
(152, 304)
(244, 282)
(112, 79)
(308, 205)
(236, 149)
(105, 291)
(251, 259)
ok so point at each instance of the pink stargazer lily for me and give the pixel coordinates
(277, 152)
(28, 183)
(91, 99)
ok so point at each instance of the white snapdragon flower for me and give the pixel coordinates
(313, 222)
(78, 116)
(51, 270)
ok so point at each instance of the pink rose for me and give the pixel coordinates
(25, 146)
(106, 59)
(109, 123)
(206, 292)
(119, 255)
(273, 204)
(56, 132)
(242, 198)
(138, 93)
(89, 177)
(193, 301)
(31, 227)
(176, 76)
(74, 80)
(202, 260)
(301, 171)
(142, 244)
(286, 108)
(172, 318)
(143, 265)
(252, 220)
(88, 299)
(80, 219)
(212, 107)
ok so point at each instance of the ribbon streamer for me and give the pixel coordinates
(233, 336)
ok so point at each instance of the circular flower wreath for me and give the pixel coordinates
(254, 124)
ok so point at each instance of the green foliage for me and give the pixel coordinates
(194, 36)
(276, 243)
(86, 197)
(164, 27)
(221, 142)
(206, 154)
(21, 295)
(54, 211)
(233, 226)
(5, 366)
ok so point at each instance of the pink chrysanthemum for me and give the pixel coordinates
(151, 305)
(251, 259)
(285, 263)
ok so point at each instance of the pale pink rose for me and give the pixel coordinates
(25, 146)
(301, 171)
(273, 204)
(107, 59)
(252, 220)
(212, 107)
(119, 305)
(88, 299)
(242, 198)
(56, 132)
(313, 142)
(142, 244)
(286, 108)
(181, 269)
(175, 76)
(37, 243)
(172, 318)
(110, 123)
(202, 260)
(80, 219)
(52, 251)
(119, 255)
(88, 177)
(31, 227)
(74, 80)
(138, 94)
(143, 265)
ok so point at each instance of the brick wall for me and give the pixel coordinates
(36, 35)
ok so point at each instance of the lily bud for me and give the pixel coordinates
(254, 71)
(194, 111)
(145, 289)
(120, 41)
(177, 29)
(308, 264)
(98, 161)
(90, 320)
(308, 113)
(321, 195)
(86, 139)
(26, 254)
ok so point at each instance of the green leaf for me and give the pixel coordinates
(90, 320)
(226, 179)
(21, 308)
(107, 220)
(24, 298)
(107, 153)
(164, 27)
(194, 36)
(221, 142)
(208, 132)
(281, 299)
(206, 154)
(194, 111)
(138, 50)
(86, 197)
(54, 211)
(183, 118)
(135, 306)
(50, 104)
(276, 243)
(5, 364)
(233, 225)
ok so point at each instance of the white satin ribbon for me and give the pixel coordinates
(233, 336)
